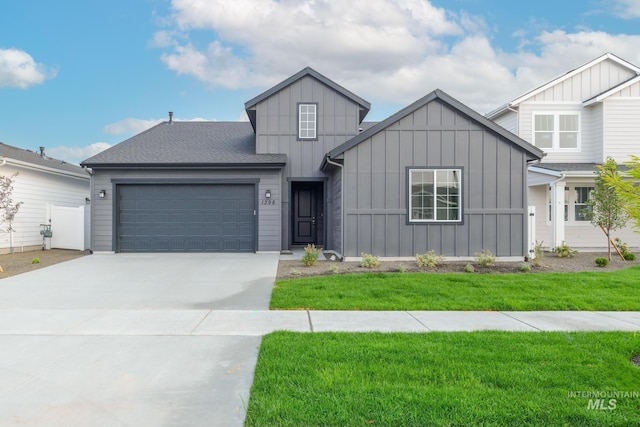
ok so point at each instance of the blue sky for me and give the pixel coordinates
(77, 76)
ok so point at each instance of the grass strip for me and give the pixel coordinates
(443, 379)
(612, 291)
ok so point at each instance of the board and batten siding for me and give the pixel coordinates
(493, 188)
(277, 133)
(585, 85)
(102, 221)
(277, 125)
(621, 128)
(37, 189)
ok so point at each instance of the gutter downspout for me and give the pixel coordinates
(554, 207)
(331, 162)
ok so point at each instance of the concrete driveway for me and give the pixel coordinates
(106, 340)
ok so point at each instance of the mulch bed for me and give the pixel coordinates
(582, 261)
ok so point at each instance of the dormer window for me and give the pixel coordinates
(307, 121)
(556, 131)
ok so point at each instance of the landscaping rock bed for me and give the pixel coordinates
(582, 261)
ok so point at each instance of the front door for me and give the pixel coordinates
(308, 213)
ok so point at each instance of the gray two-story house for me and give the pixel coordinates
(307, 169)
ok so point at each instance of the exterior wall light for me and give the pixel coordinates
(267, 194)
(102, 194)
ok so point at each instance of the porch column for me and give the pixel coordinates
(557, 212)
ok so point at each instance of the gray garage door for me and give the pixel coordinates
(186, 218)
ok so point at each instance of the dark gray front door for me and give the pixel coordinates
(186, 218)
(308, 213)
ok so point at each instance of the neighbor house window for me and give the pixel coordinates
(556, 131)
(578, 197)
(581, 208)
(307, 121)
(435, 195)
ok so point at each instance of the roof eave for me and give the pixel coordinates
(608, 93)
(572, 73)
(56, 171)
(271, 165)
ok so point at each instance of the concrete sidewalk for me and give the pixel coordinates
(171, 322)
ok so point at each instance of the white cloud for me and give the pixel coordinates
(130, 126)
(627, 9)
(76, 154)
(18, 69)
(385, 51)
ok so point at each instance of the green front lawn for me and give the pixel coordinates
(478, 378)
(614, 291)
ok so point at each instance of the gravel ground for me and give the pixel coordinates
(582, 261)
(21, 262)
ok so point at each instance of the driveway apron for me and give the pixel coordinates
(107, 340)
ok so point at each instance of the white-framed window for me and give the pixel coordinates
(435, 195)
(556, 131)
(576, 196)
(307, 121)
(580, 208)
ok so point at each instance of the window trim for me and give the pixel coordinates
(555, 143)
(410, 220)
(570, 202)
(299, 106)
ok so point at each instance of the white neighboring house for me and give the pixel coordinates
(578, 119)
(42, 182)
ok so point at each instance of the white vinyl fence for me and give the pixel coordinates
(69, 227)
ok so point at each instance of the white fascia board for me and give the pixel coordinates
(572, 73)
(544, 171)
(54, 171)
(610, 92)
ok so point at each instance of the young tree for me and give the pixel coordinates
(628, 190)
(607, 210)
(8, 209)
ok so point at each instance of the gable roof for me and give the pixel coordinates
(308, 71)
(189, 144)
(607, 56)
(29, 158)
(534, 152)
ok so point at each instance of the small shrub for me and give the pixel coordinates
(311, 255)
(538, 253)
(334, 269)
(295, 272)
(602, 262)
(525, 268)
(564, 251)
(485, 258)
(624, 250)
(369, 261)
(469, 268)
(401, 268)
(35, 261)
(429, 259)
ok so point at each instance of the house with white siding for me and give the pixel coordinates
(42, 183)
(579, 120)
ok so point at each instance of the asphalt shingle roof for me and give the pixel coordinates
(567, 167)
(34, 158)
(188, 143)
